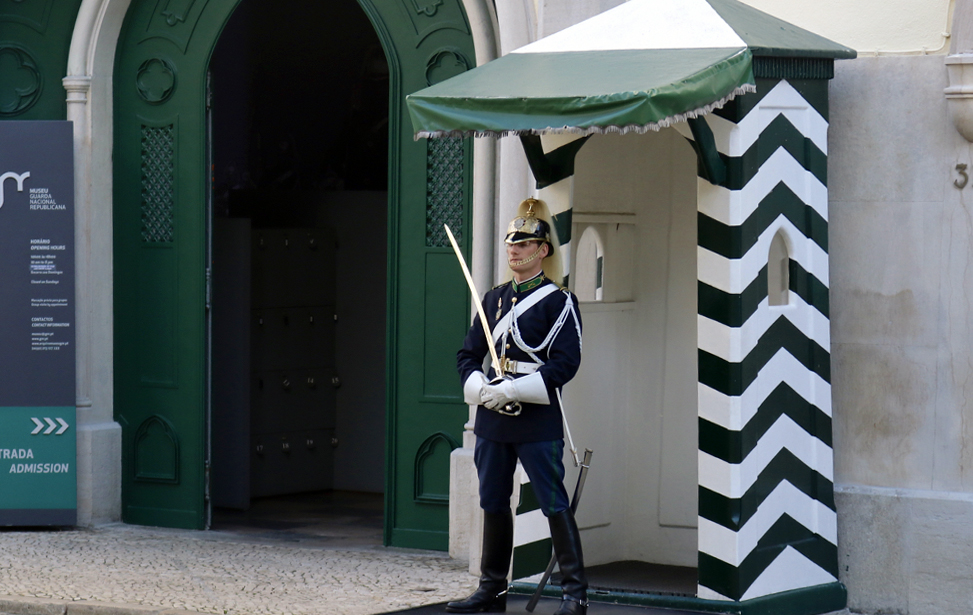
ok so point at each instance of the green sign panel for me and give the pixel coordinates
(38, 447)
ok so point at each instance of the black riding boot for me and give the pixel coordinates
(567, 548)
(498, 544)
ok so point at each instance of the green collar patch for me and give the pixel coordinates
(530, 284)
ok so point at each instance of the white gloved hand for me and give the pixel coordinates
(499, 394)
(473, 388)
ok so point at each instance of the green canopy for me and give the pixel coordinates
(643, 65)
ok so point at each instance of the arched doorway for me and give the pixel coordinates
(300, 193)
(163, 272)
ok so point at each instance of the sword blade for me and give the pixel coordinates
(476, 299)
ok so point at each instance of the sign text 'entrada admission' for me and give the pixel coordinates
(38, 483)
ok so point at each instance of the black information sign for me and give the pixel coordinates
(38, 484)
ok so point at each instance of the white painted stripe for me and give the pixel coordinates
(706, 593)
(735, 139)
(684, 129)
(734, 275)
(809, 254)
(530, 527)
(734, 344)
(790, 570)
(733, 412)
(733, 207)
(732, 480)
(644, 24)
(734, 547)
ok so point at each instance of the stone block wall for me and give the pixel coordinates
(901, 291)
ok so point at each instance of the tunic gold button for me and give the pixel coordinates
(508, 345)
(514, 300)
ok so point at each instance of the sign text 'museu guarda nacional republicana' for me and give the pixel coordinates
(38, 484)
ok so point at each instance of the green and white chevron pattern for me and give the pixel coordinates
(532, 534)
(767, 521)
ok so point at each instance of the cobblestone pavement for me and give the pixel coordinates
(214, 572)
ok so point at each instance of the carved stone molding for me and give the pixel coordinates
(959, 68)
(20, 81)
(77, 88)
(959, 94)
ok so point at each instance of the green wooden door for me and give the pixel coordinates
(160, 267)
(430, 183)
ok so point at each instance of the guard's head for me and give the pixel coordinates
(528, 226)
(534, 223)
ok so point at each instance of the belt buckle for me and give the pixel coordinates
(507, 365)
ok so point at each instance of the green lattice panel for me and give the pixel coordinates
(157, 183)
(444, 190)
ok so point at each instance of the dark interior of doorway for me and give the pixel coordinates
(299, 150)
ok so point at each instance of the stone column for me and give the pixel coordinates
(99, 437)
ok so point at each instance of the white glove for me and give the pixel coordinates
(473, 388)
(529, 389)
(500, 394)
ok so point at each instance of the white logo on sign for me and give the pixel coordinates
(11, 175)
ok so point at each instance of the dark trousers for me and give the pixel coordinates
(543, 462)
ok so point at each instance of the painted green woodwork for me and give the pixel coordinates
(734, 241)
(734, 378)
(432, 469)
(813, 90)
(429, 306)
(34, 42)
(732, 446)
(733, 513)
(159, 247)
(767, 35)
(734, 309)
(159, 226)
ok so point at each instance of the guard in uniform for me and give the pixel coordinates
(536, 330)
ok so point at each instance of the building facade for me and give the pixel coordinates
(159, 92)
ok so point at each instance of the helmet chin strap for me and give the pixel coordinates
(533, 256)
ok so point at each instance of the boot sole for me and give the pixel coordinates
(490, 608)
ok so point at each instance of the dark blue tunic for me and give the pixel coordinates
(561, 358)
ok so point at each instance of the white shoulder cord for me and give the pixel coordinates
(555, 329)
(558, 325)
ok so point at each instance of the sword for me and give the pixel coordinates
(476, 299)
(513, 409)
(578, 488)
